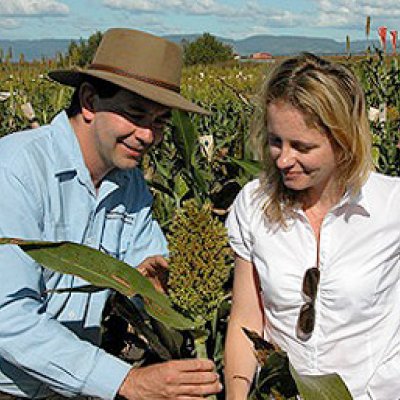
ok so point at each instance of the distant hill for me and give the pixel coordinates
(35, 49)
(276, 45)
(285, 45)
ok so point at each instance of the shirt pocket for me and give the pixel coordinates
(117, 233)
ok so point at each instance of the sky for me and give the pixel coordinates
(74, 19)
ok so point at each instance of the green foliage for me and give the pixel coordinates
(29, 83)
(103, 271)
(200, 261)
(227, 91)
(380, 77)
(185, 168)
(278, 378)
(206, 49)
(182, 168)
(81, 53)
(200, 267)
(162, 332)
(321, 387)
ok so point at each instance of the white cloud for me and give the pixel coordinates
(353, 13)
(133, 5)
(157, 25)
(251, 10)
(205, 7)
(341, 14)
(258, 16)
(25, 8)
(189, 7)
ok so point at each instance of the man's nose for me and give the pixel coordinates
(145, 134)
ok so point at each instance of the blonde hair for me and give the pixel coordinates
(332, 101)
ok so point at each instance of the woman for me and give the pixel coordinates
(317, 238)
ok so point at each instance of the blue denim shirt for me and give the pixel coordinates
(50, 340)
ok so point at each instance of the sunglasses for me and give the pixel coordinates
(306, 319)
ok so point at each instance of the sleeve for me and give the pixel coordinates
(238, 224)
(147, 236)
(32, 340)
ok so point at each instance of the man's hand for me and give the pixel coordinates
(155, 268)
(178, 379)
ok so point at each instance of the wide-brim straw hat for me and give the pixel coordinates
(139, 62)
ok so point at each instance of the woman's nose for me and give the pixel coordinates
(286, 158)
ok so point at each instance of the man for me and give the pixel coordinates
(76, 179)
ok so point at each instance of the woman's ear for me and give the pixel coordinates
(87, 98)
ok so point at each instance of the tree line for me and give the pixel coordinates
(206, 49)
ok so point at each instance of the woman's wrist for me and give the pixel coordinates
(238, 387)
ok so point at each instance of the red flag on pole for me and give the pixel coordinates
(382, 36)
(393, 36)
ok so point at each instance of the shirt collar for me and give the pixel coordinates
(66, 146)
(112, 181)
(353, 203)
(70, 158)
(350, 204)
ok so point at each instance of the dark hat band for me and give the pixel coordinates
(127, 74)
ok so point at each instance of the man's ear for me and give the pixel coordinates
(88, 97)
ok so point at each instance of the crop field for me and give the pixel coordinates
(207, 158)
(229, 91)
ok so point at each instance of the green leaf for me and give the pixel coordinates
(375, 155)
(180, 187)
(200, 183)
(277, 373)
(164, 170)
(161, 188)
(105, 271)
(274, 375)
(252, 167)
(185, 136)
(170, 338)
(127, 309)
(320, 387)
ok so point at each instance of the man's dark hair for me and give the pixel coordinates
(103, 88)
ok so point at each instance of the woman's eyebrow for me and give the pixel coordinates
(309, 145)
(295, 142)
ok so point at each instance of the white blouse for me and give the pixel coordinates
(357, 328)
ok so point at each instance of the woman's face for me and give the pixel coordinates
(304, 156)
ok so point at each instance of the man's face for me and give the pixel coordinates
(125, 126)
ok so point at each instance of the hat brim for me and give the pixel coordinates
(150, 91)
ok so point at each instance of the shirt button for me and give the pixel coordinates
(71, 314)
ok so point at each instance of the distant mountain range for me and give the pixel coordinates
(286, 45)
(34, 49)
(276, 45)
